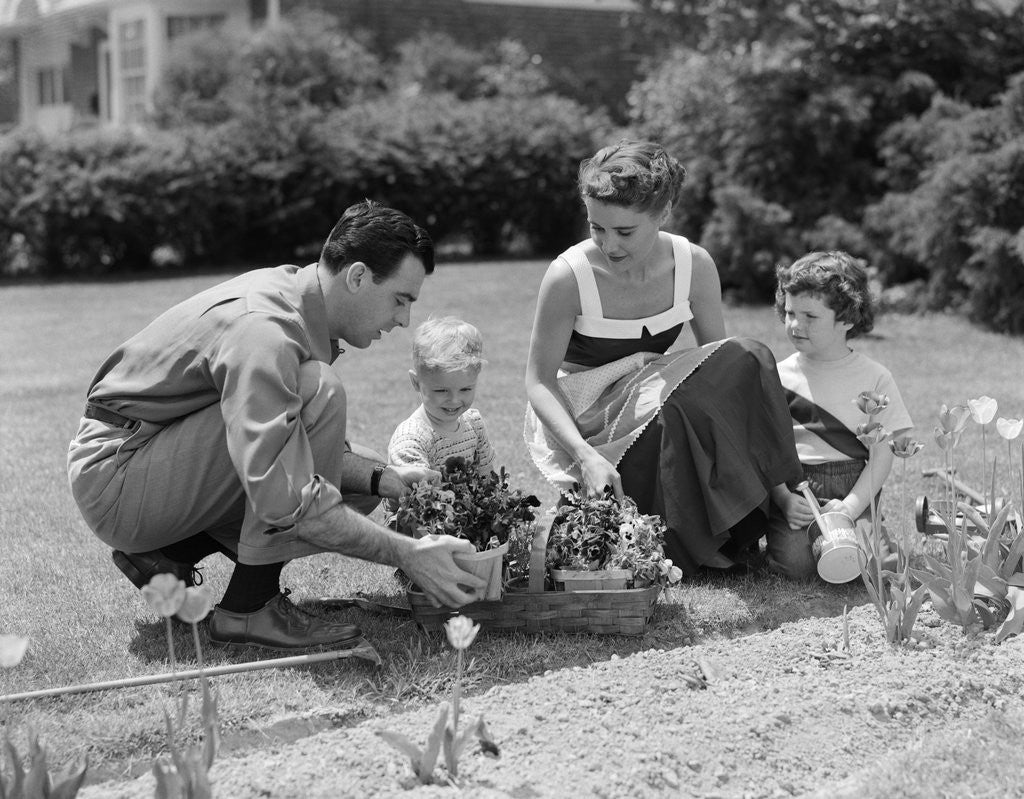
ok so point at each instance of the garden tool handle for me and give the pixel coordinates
(804, 488)
(538, 552)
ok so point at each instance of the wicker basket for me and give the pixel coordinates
(527, 607)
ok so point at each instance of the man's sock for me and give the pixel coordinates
(251, 587)
(194, 549)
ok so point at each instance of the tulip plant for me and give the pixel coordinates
(980, 582)
(184, 776)
(37, 782)
(891, 592)
(445, 735)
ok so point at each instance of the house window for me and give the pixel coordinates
(132, 40)
(51, 86)
(179, 26)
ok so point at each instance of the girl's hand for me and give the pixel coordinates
(598, 473)
(837, 506)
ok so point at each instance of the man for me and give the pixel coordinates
(220, 427)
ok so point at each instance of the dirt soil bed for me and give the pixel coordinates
(782, 713)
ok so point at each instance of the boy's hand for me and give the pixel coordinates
(796, 510)
(396, 481)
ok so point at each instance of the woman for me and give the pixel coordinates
(699, 436)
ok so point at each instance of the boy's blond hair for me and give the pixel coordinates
(447, 344)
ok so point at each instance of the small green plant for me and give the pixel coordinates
(185, 774)
(594, 533)
(445, 736)
(37, 782)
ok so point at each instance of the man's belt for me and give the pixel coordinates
(98, 412)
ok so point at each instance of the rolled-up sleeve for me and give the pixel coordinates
(256, 367)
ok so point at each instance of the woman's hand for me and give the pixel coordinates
(598, 473)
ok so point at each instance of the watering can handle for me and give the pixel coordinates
(805, 488)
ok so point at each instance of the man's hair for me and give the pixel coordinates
(839, 279)
(448, 345)
(633, 174)
(378, 236)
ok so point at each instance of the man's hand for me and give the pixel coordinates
(430, 565)
(396, 481)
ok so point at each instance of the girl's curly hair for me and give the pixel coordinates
(839, 279)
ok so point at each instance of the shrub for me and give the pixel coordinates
(89, 202)
(490, 169)
(747, 236)
(193, 88)
(958, 224)
(212, 77)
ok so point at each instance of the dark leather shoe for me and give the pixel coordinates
(279, 625)
(141, 567)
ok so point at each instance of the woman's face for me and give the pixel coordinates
(627, 237)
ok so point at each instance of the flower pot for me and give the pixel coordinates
(487, 565)
(602, 580)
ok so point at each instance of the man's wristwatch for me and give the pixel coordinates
(375, 476)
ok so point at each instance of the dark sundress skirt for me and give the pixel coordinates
(721, 441)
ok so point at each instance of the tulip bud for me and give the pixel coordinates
(1009, 428)
(198, 602)
(954, 420)
(872, 402)
(461, 631)
(905, 447)
(982, 409)
(12, 650)
(871, 434)
(165, 593)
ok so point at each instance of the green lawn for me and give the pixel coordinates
(87, 623)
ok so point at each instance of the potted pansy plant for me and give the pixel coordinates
(602, 543)
(481, 508)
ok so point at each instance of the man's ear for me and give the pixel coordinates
(356, 274)
(414, 379)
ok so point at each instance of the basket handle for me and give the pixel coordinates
(538, 552)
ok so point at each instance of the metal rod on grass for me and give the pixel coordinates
(152, 679)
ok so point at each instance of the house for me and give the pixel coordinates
(75, 63)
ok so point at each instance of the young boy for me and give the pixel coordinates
(446, 358)
(824, 301)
